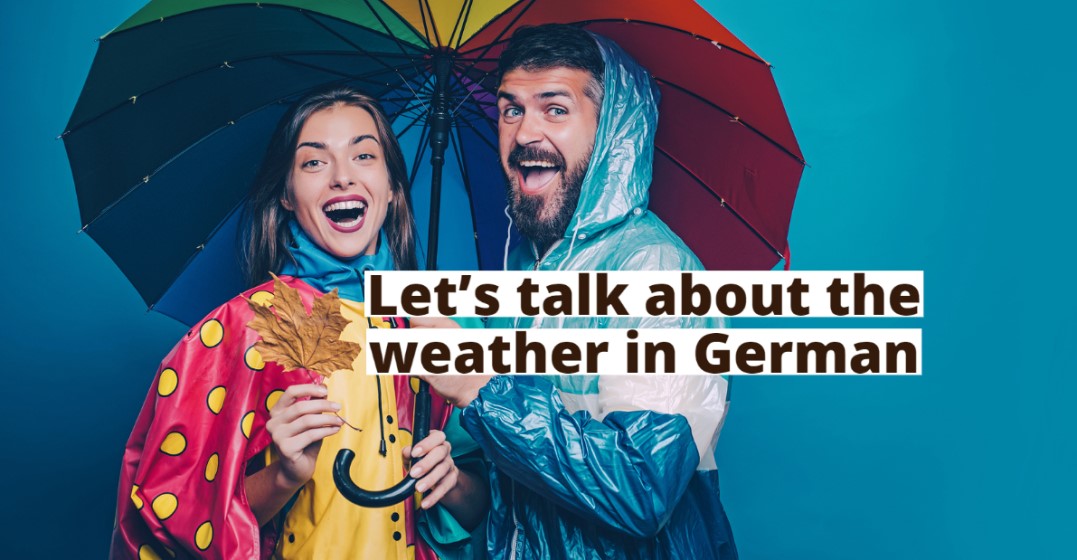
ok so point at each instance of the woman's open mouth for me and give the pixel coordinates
(346, 214)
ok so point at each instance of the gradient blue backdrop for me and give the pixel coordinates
(939, 135)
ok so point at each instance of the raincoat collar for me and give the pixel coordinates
(325, 271)
(619, 175)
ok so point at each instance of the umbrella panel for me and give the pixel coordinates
(159, 228)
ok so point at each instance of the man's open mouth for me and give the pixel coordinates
(535, 175)
(346, 215)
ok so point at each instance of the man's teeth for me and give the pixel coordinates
(537, 164)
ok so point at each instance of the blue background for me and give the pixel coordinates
(937, 134)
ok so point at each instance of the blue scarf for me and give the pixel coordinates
(325, 272)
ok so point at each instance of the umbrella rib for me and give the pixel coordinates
(401, 19)
(586, 22)
(361, 50)
(725, 204)
(494, 19)
(357, 77)
(457, 144)
(396, 40)
(734, 119)
(461, 23)
(422, 15)
(179, 154)
(469, 115)
(358, 48)
(424, 136)
(481, 137)
(177, 79)
(197, 251)
(503, 31)
(433, 24)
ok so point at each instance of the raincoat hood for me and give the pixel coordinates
(619, 175)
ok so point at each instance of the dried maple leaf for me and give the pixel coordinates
(296, 340)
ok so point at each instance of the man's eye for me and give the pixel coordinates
(558, 111)
(512, 112)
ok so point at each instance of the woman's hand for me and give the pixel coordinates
(434, 468)
(299, 422)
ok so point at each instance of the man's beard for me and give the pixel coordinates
(544, 218)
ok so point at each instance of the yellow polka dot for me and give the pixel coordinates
(272, 399)
(215, 399)
(253, 358)
(174, 444)
(211, 467)
(415, 385)
(135, 498)
(203, 537)
(212, 333)
(263, 298)
(164, 506)
(248, 421)
(146, 552)
(167, 383)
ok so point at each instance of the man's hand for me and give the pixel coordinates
(433, 323)
(460, 390)
(435, 470)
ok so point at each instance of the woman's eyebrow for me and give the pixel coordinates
(321, 146)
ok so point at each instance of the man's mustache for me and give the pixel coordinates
(527, 153)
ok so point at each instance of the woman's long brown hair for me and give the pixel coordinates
(266, 237)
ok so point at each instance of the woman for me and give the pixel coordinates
(231, 456)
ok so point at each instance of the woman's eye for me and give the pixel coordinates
(364, 156)
(311, 164)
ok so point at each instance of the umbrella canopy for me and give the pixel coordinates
(183, 97)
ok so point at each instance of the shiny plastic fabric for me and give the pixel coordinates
(607, 467)
(182, 491)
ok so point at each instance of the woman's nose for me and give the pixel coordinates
(342, 179)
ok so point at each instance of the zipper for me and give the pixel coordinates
(515, 522)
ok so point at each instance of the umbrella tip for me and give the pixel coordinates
(82, 229)
(62, 136)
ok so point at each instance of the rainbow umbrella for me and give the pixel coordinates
(183, 96)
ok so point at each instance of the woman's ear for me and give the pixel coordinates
(286, 203)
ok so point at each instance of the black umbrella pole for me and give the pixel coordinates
(440, 124)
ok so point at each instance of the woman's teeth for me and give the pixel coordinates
(346, 213)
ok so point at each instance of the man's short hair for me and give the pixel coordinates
(556, 45)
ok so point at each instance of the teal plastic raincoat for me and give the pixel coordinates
(607, 467)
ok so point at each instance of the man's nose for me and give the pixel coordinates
(529, 131)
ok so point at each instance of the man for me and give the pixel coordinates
(591, 467)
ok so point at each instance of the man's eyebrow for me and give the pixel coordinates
(544, 95)
(555, 93)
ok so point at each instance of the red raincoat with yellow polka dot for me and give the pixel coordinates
(202, 430)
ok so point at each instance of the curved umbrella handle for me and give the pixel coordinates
(401, 490)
